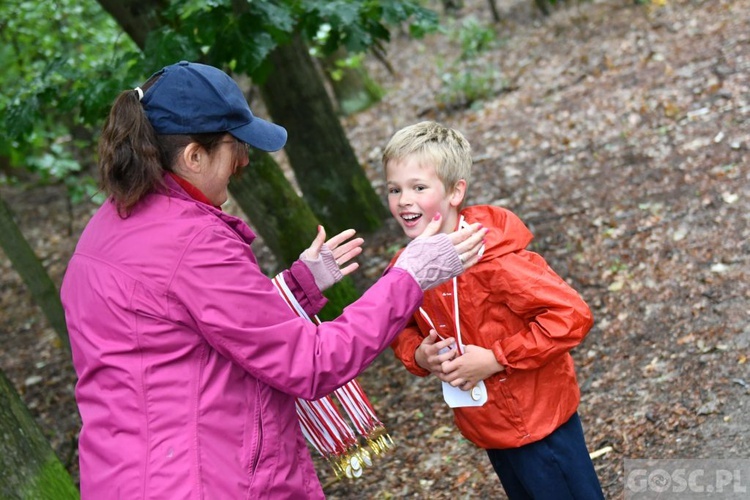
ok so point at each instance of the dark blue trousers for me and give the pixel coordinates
(556, 468)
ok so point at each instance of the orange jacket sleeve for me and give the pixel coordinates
(553, 316)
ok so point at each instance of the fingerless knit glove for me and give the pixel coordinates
(324, 269)
(431, 261)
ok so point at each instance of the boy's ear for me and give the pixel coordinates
(458, 193)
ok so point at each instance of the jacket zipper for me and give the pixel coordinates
(258, 432)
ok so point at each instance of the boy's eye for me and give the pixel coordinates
(420, 188)
(392, 190)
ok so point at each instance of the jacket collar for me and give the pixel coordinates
(190, 189)
(175, 190)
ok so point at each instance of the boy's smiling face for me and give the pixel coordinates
(416, 194)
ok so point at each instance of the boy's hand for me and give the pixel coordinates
(465, 371)
(428, 354)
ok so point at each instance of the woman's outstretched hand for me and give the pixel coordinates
(343, 249)
(325, 258)
(467, 241)
(433, 258)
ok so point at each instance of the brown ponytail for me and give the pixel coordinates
(130, 161)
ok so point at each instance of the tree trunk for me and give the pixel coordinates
(136, 18)
(493, 9)
(324, 163)
(262, 184)
(280, 216)
(354, 89)
(29, 468)
(543, 5)
(27, 265)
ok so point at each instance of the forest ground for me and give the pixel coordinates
(620, 134)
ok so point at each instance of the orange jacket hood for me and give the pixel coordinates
(507, 233)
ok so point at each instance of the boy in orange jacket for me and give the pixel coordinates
(498, 336)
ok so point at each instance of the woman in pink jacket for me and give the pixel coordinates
(189, 362)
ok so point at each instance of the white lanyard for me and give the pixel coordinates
(456, 320)
(454, 396)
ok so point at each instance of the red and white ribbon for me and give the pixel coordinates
(323, 425)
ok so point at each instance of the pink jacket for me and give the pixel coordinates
(189, 362)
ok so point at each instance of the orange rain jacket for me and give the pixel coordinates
(513, 303)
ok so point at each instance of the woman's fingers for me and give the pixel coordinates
(468, 236)
(346, 252)
(344, 249)
(335, 241)
(349, 269)
(433, 227)
(468, 243)
(314, 250)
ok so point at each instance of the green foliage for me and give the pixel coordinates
(467, 80)
(62, 62)
(336, 28)
(238, 35)
(241, 35)
(359, 25)
(52, 52)
(474, 38)
(352, 62)
(469, 85)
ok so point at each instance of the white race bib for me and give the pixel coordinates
(457, 398)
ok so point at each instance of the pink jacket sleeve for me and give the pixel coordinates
(239, 312)
(301, 282)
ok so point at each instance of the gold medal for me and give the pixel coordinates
(355, 465)
(364, 455)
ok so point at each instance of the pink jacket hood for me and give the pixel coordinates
(189, 362)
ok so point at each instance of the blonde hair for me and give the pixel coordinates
(446, 148)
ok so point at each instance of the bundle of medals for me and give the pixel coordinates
(347, 450)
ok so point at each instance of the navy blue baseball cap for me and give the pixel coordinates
(192, 98)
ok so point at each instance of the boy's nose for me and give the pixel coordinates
(404, 200)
